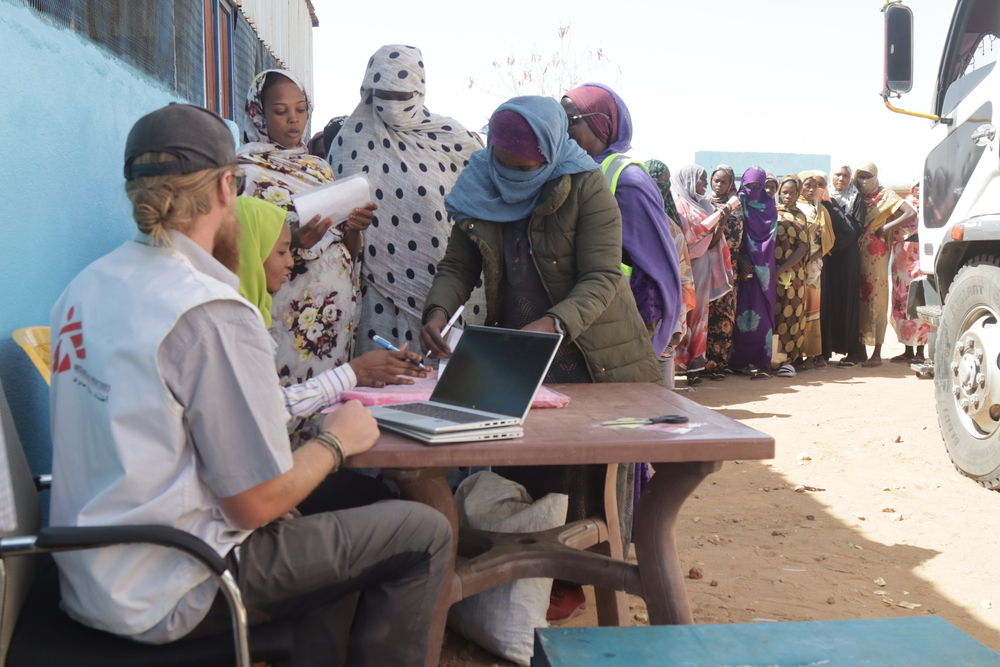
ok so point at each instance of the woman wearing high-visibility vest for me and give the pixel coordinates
(601, 124)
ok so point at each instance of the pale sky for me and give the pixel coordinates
(792, 76)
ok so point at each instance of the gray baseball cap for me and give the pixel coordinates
(197, 137)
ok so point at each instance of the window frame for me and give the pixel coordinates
(950, 72)
(219, 32)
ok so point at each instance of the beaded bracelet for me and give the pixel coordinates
(332, 443)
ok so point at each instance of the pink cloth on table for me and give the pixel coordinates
(421, 391)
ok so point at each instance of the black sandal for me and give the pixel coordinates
(693, 379)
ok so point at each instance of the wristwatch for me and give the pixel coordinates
(557, 325)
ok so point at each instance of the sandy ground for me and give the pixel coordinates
(859, 515)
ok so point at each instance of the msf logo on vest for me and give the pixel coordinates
(70, 350)
(69, 344)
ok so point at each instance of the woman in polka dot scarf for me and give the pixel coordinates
(412, 157)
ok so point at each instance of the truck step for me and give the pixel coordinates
(931, 314)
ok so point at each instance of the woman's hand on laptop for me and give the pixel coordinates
(354, 425)
(381, 367)
(430, 334)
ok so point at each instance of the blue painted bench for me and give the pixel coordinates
(920, 641)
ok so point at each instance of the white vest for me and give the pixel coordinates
(120, 453)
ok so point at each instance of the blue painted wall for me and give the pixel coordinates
(778, 164)
(66, 110)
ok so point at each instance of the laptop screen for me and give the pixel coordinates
(495, 369)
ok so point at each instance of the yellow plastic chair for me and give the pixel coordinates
(36, 343)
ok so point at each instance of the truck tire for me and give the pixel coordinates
(967, 371)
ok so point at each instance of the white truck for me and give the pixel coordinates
(959, 233)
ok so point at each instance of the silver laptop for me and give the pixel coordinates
(489, 383)
(475, 435)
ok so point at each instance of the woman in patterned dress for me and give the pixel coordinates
(711, 263)
(905, 266)
(755, 289)
(412, 158)
(314, 314)
(791, 249)
(885, 210)
(722, 311)
(821, 240)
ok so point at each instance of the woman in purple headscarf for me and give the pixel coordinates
(755, 295)
(601, 124)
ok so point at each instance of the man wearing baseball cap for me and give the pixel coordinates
(166, 409)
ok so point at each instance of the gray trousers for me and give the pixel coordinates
(394, 554)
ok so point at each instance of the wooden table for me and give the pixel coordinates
(589, 551)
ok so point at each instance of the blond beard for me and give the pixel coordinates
(226, 245)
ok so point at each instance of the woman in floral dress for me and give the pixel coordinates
(905, 266)
(711, 264)
(722, 311)
(314, 314)
(885, 210)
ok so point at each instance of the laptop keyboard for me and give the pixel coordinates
(438, 412)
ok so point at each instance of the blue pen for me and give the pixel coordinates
(389, 346)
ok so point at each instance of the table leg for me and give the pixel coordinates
(612, 605)
(655, 546)
(429, 486)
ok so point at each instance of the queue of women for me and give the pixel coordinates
(809, 270)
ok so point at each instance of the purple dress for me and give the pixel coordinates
(646, 237)
(755, 297)
(648, 246)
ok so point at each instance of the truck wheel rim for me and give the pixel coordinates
(975, 374)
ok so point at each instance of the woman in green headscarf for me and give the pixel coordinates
(263, 234)
(265, 265)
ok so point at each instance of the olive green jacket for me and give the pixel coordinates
(576, 244)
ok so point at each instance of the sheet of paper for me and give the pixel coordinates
(453, 335)
(334, 200)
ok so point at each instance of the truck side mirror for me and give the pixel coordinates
(898, 75)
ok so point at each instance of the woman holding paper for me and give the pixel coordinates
(710, 262)
(412, 157)
(314, 313)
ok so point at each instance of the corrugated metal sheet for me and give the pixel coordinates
(285, 27)
(249, 57)
(163, 39)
